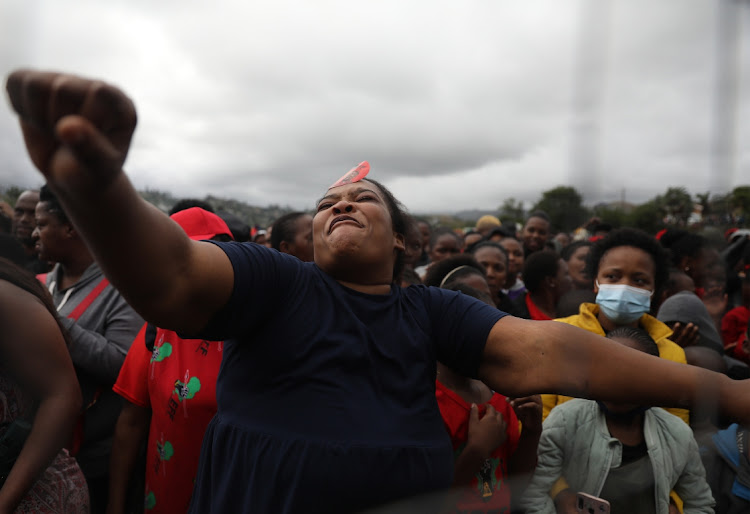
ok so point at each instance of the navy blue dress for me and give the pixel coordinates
(326, 396)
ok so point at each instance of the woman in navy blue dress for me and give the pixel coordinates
(326, 392)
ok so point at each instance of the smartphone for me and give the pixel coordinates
(588, 504)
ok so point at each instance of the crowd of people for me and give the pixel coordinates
(354, 357)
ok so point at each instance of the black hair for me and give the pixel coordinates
(539, 214)
(398, 221)
(12, 249)
(438, 232)
(6, 224)
(284, 229)
(671, 235)
(410, 276)
(689, 245)
(537, 267)
(53, 204)
(23, 279)
(640, 336)
(471, 291)
(499, 231)
(567, 252)
(490, 244)
(637, 239)
(187, 203)
(439, 270)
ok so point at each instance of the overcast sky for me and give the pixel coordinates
(455, 104)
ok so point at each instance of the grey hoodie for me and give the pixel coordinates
(100, 339)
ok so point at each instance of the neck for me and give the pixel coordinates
(545, 301)
(629, 432)
(510, 280)
(74, 267)
(470, 390)
(381, 289)
(450, 378)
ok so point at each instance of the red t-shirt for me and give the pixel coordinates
(488, 491)
(178, 383)
(734, 324)
(534, 311)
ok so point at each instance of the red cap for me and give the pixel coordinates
(200, 224)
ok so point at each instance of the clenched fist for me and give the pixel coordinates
(77, 131)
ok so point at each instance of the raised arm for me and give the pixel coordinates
(78, 133)
(524, 357)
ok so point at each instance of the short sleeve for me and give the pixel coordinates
(460, 326)
(263, 279)
(132, 382)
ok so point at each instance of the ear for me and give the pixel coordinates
(70, 231)
(284, 247)
(398, 242)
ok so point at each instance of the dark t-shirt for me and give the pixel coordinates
(326, 396)
(630, 488)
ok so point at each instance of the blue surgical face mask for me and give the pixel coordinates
(621, 303)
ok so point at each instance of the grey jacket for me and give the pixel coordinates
(100, 339)
(576, 445)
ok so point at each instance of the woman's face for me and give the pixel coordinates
(627, 265)
(496, 266)
(413, 243)
(447, 245)
(353, 233)
(708, 258)
(576, 267)
(515, 255)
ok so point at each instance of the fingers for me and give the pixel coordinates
(87, 145)
(72, 124)
(43, 98)
(473, 414)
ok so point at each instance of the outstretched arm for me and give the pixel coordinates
(78, 133)
(524, 357)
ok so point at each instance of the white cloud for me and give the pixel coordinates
(456, 105)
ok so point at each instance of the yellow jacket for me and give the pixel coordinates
(587, 320)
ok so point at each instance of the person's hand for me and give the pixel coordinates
(487, 433)
(77, 131)
(684, 335)
(565, 502)
(673, 508)
(528, 409)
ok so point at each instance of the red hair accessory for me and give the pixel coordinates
(353, 175)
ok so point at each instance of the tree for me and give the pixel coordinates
(740, 201)
(512, 210)
(647, 216)
(11, 194)
(564, 205)
(677, 205)
(612, 214)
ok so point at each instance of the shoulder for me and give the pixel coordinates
(572, 414)
(585, 319)
(672, 425)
